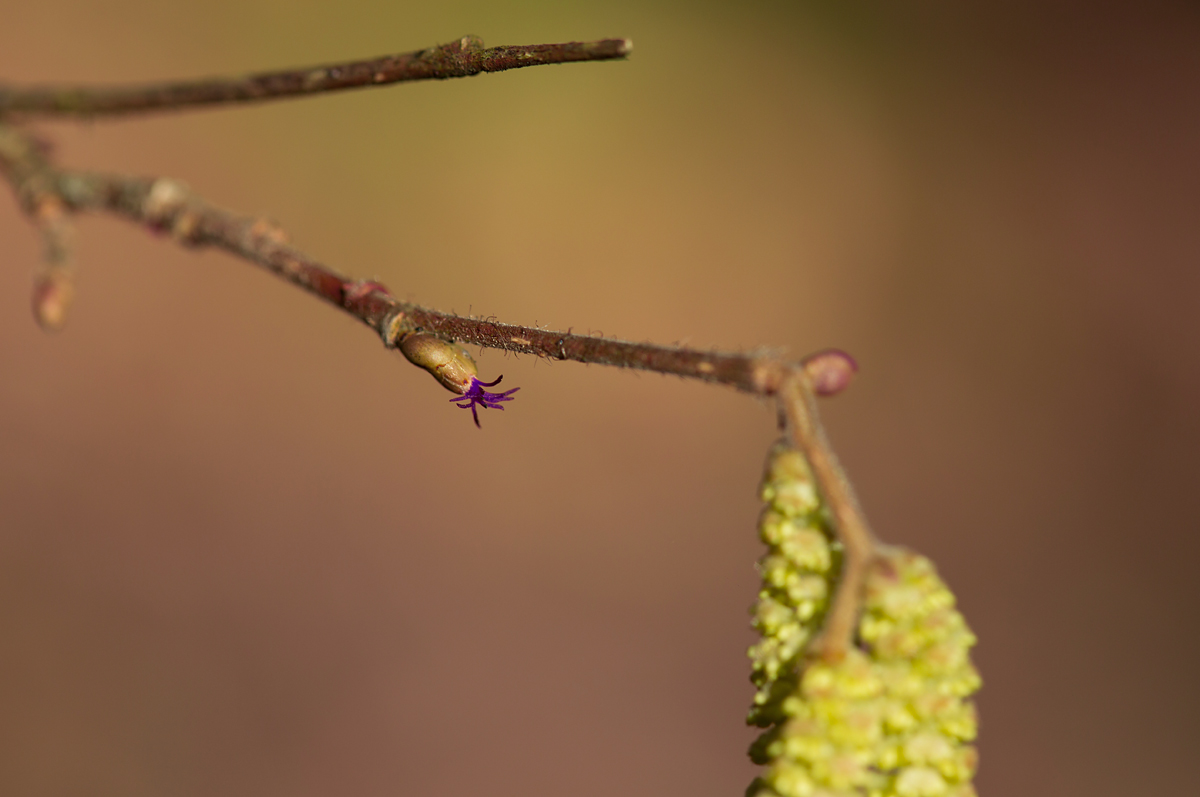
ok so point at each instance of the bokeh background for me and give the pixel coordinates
(246, 551)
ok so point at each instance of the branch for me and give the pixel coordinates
(47, 194)
(461, 58)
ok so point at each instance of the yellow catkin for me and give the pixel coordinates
(892, 718)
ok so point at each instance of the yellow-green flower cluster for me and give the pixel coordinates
(797, 577)
(891, 718)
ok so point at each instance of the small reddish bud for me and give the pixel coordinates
(830, 371)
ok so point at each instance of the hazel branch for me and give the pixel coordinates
(462, 58)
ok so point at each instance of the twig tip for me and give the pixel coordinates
(53, 290)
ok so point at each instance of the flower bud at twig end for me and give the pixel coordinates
(830, 371)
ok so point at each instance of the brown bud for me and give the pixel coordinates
(449, 363)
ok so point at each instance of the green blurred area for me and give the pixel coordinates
(244, 550)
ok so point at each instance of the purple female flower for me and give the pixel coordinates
(477, 395)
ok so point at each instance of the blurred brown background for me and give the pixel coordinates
(245, 551)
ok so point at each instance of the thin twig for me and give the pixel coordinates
(798, 402)
(461, 58)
